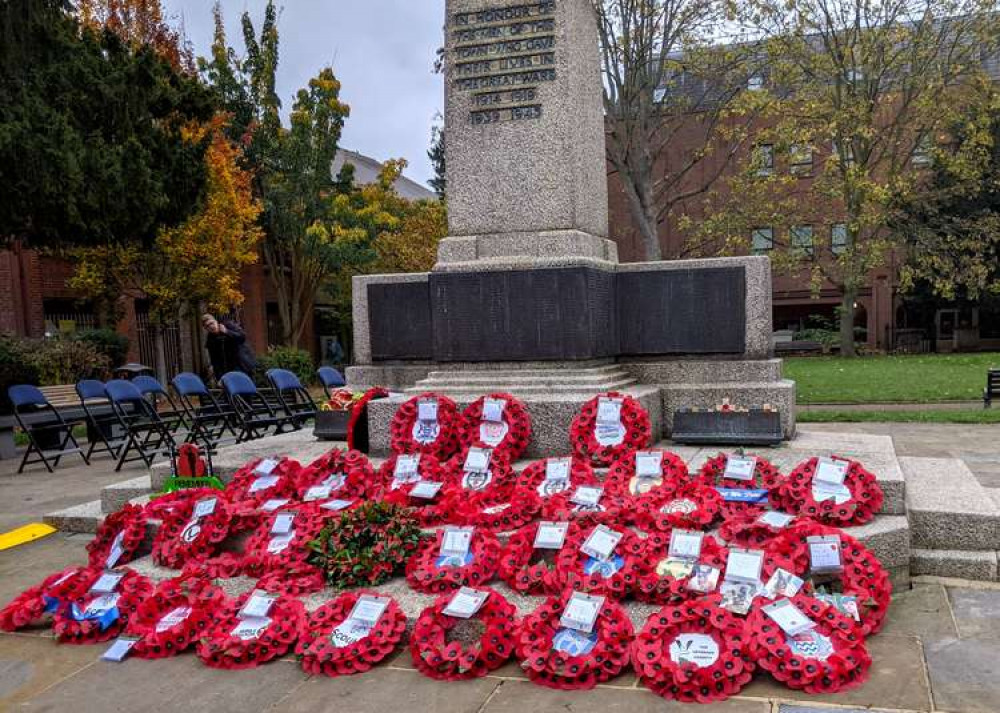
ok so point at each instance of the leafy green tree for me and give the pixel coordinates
(437, 156)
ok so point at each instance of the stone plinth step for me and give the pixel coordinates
(960, 564)
(947, 506)
(80, 518)
(114, 496)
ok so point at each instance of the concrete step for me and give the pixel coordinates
(79, 518)
(948, 508)
(960, 564)
(114, 496)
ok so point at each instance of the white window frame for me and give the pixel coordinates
(766, 244)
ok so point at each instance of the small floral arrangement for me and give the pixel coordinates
(341, 400)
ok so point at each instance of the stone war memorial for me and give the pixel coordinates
(527, 295)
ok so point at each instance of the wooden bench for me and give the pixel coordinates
(992, 387)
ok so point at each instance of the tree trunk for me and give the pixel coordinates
(643, 212)
(847, 323)
(160, 353)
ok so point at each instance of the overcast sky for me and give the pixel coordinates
(382, 51)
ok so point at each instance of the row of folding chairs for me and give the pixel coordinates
(140, 419)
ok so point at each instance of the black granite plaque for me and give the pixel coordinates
(690, 311)
(399, 320)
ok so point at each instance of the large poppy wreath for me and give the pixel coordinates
(226, 646)
(282, 550)
(174, 616)
(491, 487)
(250, 488)
(330, 645)
(863, 576)
(695, 652)
(755, 530)
(553, 495)
(439, 651)
(660, 580)
(855, 504)
(689, 505)
(557, 657)
(429, 468)
(478, 510)
(430, 572)
(614, 577)
(30, 606)
(118, 538)
(92, 617)
(526, 569)
(510, 435)
(828, 658)
(440, 437)
(348, 474)
(183, 537)
(765, 477)
(612, 442)
(623, 482)
(429, 512)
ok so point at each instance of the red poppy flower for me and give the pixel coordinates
(175, 615)
(121, 532)
(689, 505)
(232, 643)
(520, 569)
(614, 577)
(92, 617)
(765, 477)
(509, 436)
(437, 657)
(440, 437)
(427, 571)
(183, 537)
(348, 474)
(828, 658)
(52, 593)
(329, 647)
(359, 409)
(855, 504)
(600, 447)
(557, 657)
(656, 580)
(694, 652)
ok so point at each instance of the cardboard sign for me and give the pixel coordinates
(426, 490)
(824, 554)
(369, 609)
(406, 468)
(276, 504)
(831, 471)
(686, 544)
(782, 584)
(587, 496)
(466, 603)
(648, 464)
(551, 535)
(205, 507)
(775, 518)
(258, 605)
(455, 541)
(789, 617)
(601, 542)
(744, 565)
(740, 468)
(263, 483)
(117, 652)
(337, 505)
(250, 629)
(493, 410)
(283, 523)
(704, 578)
(172, 619)
(427, 411)
(581, 612)
(266, 466)
(477, 460)
(116, 551)
(107, 582)
(609, 411)
(317, 492)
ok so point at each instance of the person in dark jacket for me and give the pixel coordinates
(227, 347)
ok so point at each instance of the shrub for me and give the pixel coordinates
(107, 342)
(47, 362)
(16, 367)
(297, 361)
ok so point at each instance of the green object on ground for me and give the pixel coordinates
(939, 416)
(918, 378)
(174, 483)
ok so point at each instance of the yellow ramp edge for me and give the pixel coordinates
(22, 535)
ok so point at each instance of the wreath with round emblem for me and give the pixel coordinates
(510, 435)
(30, 606)
(121, 532)
(689, 505)
(93, 617)
(623, 482)
(440, 437)
(602, 444)
(432, 573)
(183, 536)
(660, 580)
(225, 646)
(553, 495)
(614, 577)
(175, 615)
(694, 652)
(555, 656)
(854, 504)
(348, 474)
(331, 645)
(828, 658)
(520, 569)
(765, 477)
(490, 487)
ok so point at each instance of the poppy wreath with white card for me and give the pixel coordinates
(827, 658)
(545, 478)
(861, 576)
(629, 479)
(93, 617)
(48, 596)
(519, 567)
(613, 576)
(431, 572)
(348, 475)
(437, 657)
(600, 444)
(561, 657)
(755, 530)
(499, 420)
(764, 476)
(854, 502)
(250, 488)
(491, 486)
(282, 539)
(174, 616)
(689, 505)
(333, 644)
(694, 652)
(479, 510)
(438, 434)
(664, 580)
(431, 510)
(187, 534)
(573, 506)
(389, 481)
(235, 642)
(118, 538)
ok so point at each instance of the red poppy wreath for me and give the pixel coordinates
(500, 421)
(586, 504)
(30, 606)
(528, 569)
(358, 411)
(449, 648)
(607, 427)
(612, 576)
(433, 570)
(238, 642)
(854, 501)
(282, 539)
(694, 652)
(426, 500)
(478, 510)
(346, 475)
(663, 580)
(557, 656)
(482, 472)
(553, 481)
(829, 657)
(174, 616)
(118, 538)
(689, 505)
(746, 473)
(641, 475)
(101, 612)
(192, 530)
(333, 643)
(402, 470)
(261, 480)
(755, 530)
(428, 423)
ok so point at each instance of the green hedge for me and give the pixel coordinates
(48, 362)
(297, 361)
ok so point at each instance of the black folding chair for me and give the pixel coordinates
(49, 435)
(208, 418)
(292, 395)
(103, 430)
(330, 378)
(254, 415)
(173, 418)
(146, 434)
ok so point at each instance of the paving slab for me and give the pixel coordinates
(977, 612)
(30, 664)
(922, 611)
(947, 506)
(963, 674)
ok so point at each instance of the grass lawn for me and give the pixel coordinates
(920, 378)
(942, 416)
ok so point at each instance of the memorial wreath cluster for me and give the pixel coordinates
(778, 586)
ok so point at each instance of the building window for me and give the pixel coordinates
(802, 239)
(764, 159)
(800, 160)
(762, 240)
(922, 152)
(659, 94)
(854, 75)
(755, 83)
(838, 238)
(844, 152)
